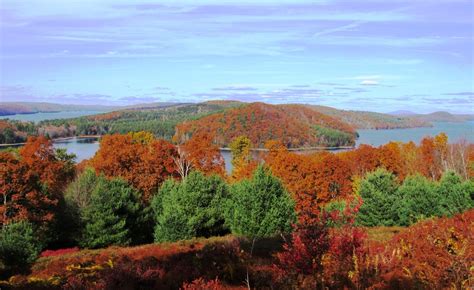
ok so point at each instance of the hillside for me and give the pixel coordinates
(371, 120)
(442, 117)
(159, 119)
(294, 125)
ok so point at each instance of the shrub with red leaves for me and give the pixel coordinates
(434, 254)
(59, 252)
(322, 256)
(202, 284)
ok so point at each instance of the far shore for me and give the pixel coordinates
(54, 140)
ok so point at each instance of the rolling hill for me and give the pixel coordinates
(371, 120)
(294, 125)
(441, 117)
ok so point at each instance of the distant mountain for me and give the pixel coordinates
(371, 120)
(149, 106)
(401, 113)
(441, 116)
(12, 108)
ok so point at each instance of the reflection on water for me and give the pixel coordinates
(84, 148)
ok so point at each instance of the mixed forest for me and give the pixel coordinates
(150, 213)
(295, 125)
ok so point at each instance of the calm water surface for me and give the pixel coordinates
(85, 148)
(455, 132)
(50, 116)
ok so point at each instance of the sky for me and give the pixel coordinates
(373, 55)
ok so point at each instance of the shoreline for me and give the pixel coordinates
(55, 140)
(225, 149)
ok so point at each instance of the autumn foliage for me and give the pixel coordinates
(143, 162)
(314, 179)
(294, 125)
(31, 183)
(203, 154)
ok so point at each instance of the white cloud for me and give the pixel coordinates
(369, 82)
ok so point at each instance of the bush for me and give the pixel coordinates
(191, 208)
(18, 245)
(433, 254)
(260, 206)
(113, 216)
(379, 193)
(320, 257)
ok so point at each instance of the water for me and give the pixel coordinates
(455, 132)
(85, 148)
(50, 116)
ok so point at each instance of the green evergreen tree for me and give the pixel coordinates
(455, 195)
(260, 207)
(190, 208)
(419, 200)
(18, 246)
(378, 191)
(77, 198)
(113, 216)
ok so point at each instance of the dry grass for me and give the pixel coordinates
(383, 234)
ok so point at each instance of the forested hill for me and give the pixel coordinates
(294, 125)
(160, 119)
(441, 117)
(372, 120)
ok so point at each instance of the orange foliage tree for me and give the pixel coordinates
(142, 162)
(313, 180)
(390, 158)
(203, 154)
(31, 183)
(361, 160)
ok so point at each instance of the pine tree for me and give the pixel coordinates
(260, 207)
(112, 216)
(379, 193)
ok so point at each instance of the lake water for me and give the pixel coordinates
(50, 116)
(85, 148)
(455, 132)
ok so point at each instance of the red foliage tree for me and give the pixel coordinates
(319, 256)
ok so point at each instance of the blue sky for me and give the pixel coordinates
(375, 55)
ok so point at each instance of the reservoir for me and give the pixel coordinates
(85, 148)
